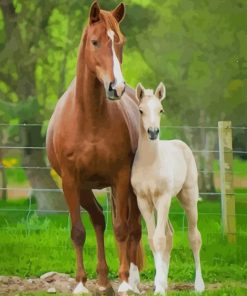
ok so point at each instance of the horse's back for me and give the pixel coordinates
(177, 147)
(180, 157)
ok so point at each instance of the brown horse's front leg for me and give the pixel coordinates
(78, 233)
(89, 203)
(120, 224)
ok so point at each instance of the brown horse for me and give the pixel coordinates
(91, 141)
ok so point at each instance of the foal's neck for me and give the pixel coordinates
(89, 93)
(148, 150)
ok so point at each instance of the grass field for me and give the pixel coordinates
(32, 245)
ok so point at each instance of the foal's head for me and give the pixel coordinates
(103, 48)
(150, 108)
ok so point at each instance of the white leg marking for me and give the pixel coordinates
(80, 289)
(160, 280)
(124, 287)
(199, 283)
(116, 65)
(134, 278)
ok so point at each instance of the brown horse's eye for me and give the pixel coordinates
(95, 43)
(141, 111)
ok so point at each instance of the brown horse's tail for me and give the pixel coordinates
(140, 256)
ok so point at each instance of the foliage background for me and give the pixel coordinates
(197, 48)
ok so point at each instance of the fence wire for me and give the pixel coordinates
(30, 210)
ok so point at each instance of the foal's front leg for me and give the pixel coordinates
(161, 244)
(147, 212)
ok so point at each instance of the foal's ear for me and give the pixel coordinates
(140, 91)
(160, 92)
(119, 12)
(94, 15)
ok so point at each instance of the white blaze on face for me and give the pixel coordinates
(153, 116)
(116, 65)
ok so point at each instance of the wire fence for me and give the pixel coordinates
(30, 192)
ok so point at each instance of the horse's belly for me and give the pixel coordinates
(95, 182)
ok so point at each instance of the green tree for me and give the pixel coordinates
(39, 45)
(198, 48)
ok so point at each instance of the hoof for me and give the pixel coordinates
(199, 285)
(134, 278)
(80, 289)
(108, 291)
(160, 291)
(126, 289)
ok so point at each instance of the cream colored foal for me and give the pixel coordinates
(161, 170)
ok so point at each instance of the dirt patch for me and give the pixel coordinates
(53, 282)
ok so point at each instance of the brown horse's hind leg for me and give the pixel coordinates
(89, 203)
(78, 234)
(135, 232)
(135, 249)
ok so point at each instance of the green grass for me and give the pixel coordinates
(32, 245)
(228, 291)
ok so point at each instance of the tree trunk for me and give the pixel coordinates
(207, 174)
(52, 200)
(203, 139)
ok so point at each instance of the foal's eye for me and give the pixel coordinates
(161, 111)
(95, 43)
(141, 111)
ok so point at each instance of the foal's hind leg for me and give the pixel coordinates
(168, 247)
(78, 233)
(89, 203)
(188, 199)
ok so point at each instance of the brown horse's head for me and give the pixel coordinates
(103, 47)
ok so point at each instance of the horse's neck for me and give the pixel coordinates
(148, 151)
(89, 95)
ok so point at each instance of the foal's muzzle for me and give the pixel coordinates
(153, 133)
(115, 92)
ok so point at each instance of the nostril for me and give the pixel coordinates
(157, 130)
(111, 85)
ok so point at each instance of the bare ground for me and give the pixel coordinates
(63, 283)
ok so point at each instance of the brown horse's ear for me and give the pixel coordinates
(140, 91)
(160, 92)
(119, 12)
(94, 15)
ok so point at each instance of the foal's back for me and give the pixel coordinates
(177, 162)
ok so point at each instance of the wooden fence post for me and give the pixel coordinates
(226, 180)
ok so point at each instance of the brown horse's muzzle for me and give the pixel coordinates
(115, 92)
